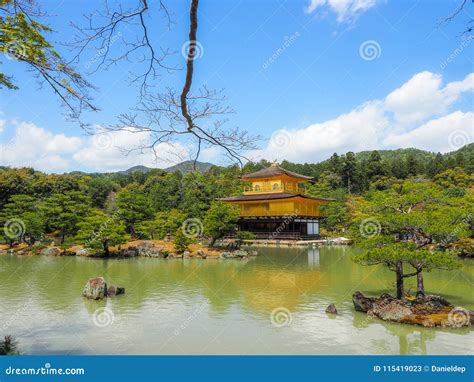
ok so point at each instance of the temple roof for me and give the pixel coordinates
(274, 170)
(273, 196)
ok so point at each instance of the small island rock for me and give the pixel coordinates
(331, 309)
(95, 289)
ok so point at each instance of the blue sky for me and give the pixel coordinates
(311, 77)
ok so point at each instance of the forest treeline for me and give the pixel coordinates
(142, 201)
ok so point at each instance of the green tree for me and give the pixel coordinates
(99, 188)
(219, 219)
(410, 224)
(63, 212)
(394, 256)
(162, 224)
(165, 191)
(134, 206)
(375, 166)
(101, 231)
(24, 39)
(454, 177)
(181, 241)
(435, 165)
(21, 220)
(349, 171)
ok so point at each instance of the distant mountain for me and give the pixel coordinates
(185, 167)
(188, 166)
(143, 169)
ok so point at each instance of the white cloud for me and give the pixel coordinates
(422, 97)
(345, 10)
(2, 125)
(444, 134)
(38, 148)
(399, 120)
(32, 146)
(417, 114)
(356, 130)
(105, 151)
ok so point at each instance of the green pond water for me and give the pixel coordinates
(218, 306)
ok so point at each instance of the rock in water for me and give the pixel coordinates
(430, 311)
(331, 309)
(362, 303)
(95, 289)
(119, 291)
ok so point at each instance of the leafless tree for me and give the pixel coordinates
(462, 6)
(23, 38)
(170, 115)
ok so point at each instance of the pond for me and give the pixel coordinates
(272, 304)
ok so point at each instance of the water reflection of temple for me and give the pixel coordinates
(313, 257)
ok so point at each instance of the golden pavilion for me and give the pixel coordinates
(274, 205)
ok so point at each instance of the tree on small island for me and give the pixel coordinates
(100, 231)
(411, 224)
